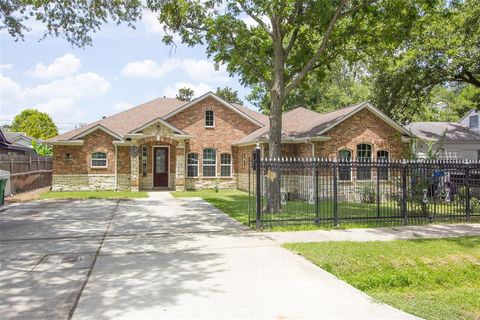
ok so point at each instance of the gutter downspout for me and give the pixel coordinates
(116, 169)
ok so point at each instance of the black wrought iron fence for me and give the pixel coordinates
(289, 191)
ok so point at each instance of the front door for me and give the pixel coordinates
(160, 167)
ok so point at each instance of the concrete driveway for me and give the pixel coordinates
(158, 258)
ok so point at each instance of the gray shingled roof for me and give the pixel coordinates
(434, 131)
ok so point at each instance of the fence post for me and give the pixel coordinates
(404, 191)
(258, 193)
(317, 211)
(467, 189)
(378, 190)
(335, 196)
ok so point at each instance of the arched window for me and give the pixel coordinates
(99, 160)
(364, 159)
(382, 158)
(192, 165)
(345, 168)
(209, 164)
(226, 165)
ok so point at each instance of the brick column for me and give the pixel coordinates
(180, 167)
(134, 168)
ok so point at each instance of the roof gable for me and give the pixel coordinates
(358, 108)
(210, 94)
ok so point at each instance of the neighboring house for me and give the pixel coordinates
(20, 139)
(168, 143)
(459, 143)
(11, 147)
(471, 120)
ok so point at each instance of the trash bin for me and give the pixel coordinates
(3, 186)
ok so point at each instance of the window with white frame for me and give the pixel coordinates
(99, 160)
(209, 162)
(244, 159)
(473, 121)
(144, 160)
(192, 165)
(226, 165)
(345, 168)
(364, 159)
(382, 159)
(209, 119)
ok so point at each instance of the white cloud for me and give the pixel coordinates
(11, 95)
(85, 85)
(6, 66)
(122, 105)
(61, 109)
(59, 98)
(199, 89)
(149, 68)
(64, 66)
(195, 69)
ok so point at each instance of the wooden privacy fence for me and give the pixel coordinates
(27, 172)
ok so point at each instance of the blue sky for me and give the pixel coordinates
(123, 68)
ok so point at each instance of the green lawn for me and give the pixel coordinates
(433, 279)
(93, 195)
(235, 204)
(232, 202)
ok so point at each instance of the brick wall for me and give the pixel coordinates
(229, 127)
(79, 157)
(363, 127)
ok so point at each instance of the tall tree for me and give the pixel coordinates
(35, 124)
(338, 86)
(443, 49)
(228, 94)
(185, 94)
(75, 20)
(277, 43)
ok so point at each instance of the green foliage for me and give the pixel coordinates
(185, 94)
(42, 149)
(322, 91)
(229, 95)
(368, 192)
(440, 50)
(35, 124)
(433, 279)
(75, 20)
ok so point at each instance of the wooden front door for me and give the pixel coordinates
(160, 166)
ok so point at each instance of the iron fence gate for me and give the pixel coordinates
(288, 191)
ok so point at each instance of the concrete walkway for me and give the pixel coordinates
(159, 258)
(377, 234)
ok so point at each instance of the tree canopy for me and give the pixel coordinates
(185, 94)
(35, 124)
(75, 20)
(228, 94)
(442, 49)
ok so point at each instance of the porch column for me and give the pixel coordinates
(180, 167)
(134, 168)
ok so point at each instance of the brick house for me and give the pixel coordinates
(172, 144)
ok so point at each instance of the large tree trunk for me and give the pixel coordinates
(277, 94)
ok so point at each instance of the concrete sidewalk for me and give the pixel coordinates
(377, 234)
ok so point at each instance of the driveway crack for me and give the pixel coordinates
(90, 271)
